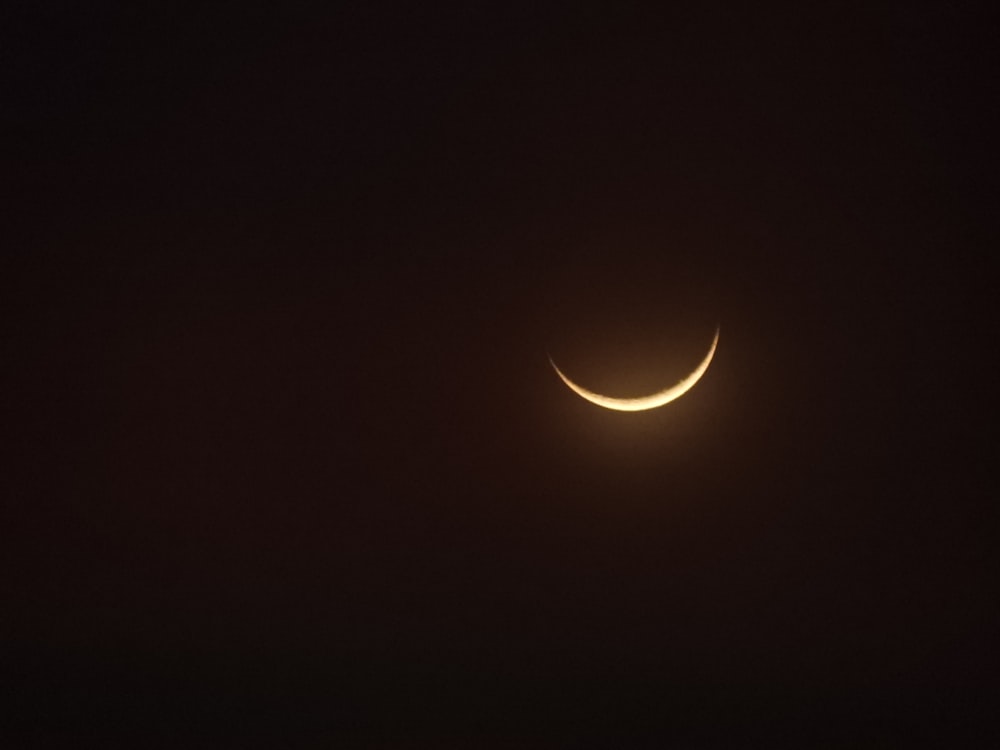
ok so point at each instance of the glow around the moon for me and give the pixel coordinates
(643, 402)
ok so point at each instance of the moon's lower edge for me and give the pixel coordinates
(643, 403)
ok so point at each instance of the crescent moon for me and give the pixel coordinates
(643, 402)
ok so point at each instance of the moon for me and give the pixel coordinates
(643, 402)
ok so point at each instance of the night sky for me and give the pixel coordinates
(288, 465)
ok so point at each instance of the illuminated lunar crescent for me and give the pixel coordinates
(643, 402)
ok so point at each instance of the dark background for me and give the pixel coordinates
(287, 462)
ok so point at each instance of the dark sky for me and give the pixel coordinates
(287, 462)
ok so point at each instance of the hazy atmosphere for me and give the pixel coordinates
(288, 463)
